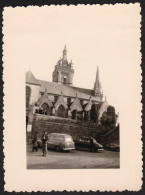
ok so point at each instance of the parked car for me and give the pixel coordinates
(113, 147)
(85, 143)
(59, 141)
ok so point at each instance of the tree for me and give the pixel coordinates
(86, 117)
(94, 113)
(109, 118)
(74, 113)
(103, 119)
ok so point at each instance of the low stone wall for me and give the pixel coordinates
(75, 128)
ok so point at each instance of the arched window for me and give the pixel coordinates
(61, 112)
(28, 93)
(64, 80)
(46, 109)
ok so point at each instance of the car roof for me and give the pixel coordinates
(61, 134)
(85, 137)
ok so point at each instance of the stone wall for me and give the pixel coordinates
(64, 125)
(34, 96)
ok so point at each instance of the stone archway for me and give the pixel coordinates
(61, 111)
(46, 109)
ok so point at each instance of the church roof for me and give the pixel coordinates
(57, 88)
(30, 78)
(69, 91)
(83, 90)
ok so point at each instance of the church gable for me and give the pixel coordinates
(59, 102)
(76, 105)
(88, 106)
(45, 99)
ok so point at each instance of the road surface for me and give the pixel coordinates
(77, 159)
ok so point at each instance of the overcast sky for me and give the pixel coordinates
(104, 36)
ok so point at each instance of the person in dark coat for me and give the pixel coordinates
(91, 144)
(34, 142)
(44, 143)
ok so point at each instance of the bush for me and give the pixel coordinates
(94, 113)
(109, 118)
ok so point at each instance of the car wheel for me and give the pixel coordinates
(93, 150)
(57, 148)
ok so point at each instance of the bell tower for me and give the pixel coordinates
(63, 72)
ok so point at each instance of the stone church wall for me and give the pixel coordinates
(34, 96)
(76, 129)
(51, 97)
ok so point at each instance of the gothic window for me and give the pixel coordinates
(46, 109)
(61, 112)
(28, 93)
(68, 101)
(55, 98)
(64, 80)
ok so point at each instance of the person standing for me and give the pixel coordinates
(92, 147)
(34, 142)
(44, 143)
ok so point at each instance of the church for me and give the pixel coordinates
(60, 98)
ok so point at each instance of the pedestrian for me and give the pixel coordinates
(92, 147)
(34, 142)
(44, 143)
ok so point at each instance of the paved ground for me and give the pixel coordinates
(76, 159)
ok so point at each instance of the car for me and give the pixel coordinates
(113, 147)
(85, 144)
(59, 141)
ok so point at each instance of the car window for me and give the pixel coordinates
(68, 139)
(51, 138)
(60, 138)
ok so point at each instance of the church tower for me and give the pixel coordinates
(97, 85)
(63, 72)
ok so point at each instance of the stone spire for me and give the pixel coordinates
(65, 53)
(97, 85)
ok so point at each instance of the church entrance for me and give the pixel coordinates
(61, 112)
(46, 109)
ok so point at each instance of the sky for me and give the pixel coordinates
(105, 36)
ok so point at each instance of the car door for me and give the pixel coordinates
(51, 141)
(80, 144)
(87, 144)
